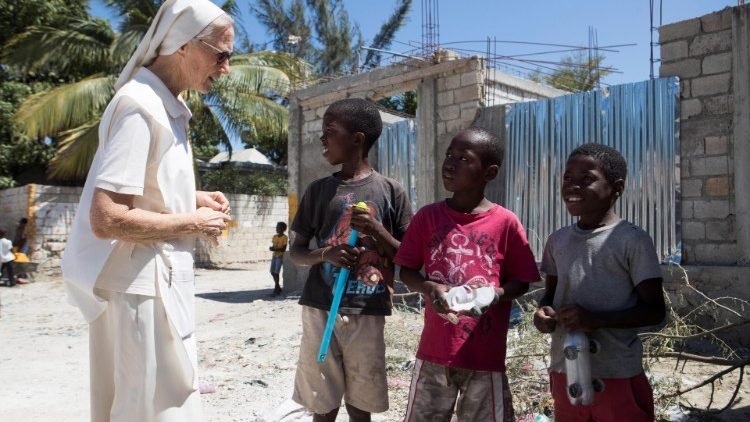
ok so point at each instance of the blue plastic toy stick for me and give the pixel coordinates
(338, 291)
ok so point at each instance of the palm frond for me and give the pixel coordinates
(75, 152)
(134, 12)
(384, 37)
(65, 107)
(232, 8)
(251, 79)
(243, 112)
(295, 68)
(79, 46)
(136, 17)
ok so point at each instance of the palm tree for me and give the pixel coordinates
(338, 40)
(91, 54)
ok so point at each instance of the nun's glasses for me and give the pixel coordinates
(221, 55)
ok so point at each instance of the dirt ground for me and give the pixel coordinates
(248, 342)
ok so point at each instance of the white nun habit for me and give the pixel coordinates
(138, 298)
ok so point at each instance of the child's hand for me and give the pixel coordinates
(435, 293)
(545, 319)
(365, 223)
(343, 255)
(576, 318)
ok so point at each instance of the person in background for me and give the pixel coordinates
(7, 258)
(19, 240)
(278, 246)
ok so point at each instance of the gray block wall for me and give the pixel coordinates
(51, 209)
(704, 52)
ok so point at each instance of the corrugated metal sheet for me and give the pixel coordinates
(641, 120)
(396, 155)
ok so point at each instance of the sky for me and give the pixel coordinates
(564, 22)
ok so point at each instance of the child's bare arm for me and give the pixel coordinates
(511, 290)
(550, 286)
(340, 256)
(649, 310)
(545, 318)
(433, 292)
(364, 223)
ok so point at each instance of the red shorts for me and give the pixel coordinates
(623, 399)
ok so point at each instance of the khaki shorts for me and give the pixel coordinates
(476, 395)
(354, 368)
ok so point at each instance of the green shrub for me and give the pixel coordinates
(230, 178)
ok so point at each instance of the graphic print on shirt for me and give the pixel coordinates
(460, 258)
(372, 271)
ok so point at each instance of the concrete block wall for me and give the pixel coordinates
(249, 235)
(449, 97)
(51, 209)
(13, 204)
(700, 52)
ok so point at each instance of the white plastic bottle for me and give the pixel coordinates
(577, 352)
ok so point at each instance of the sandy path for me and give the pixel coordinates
(248, 342)
(247, 345)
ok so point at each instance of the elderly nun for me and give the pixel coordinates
(128, 264)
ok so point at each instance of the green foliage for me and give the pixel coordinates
(16, 157)
(89, 54)
(333, 44)
(17, 15)
(579, 73)
(404, 103)
(205, 130)
(20, 151)
(71, 48)
(387, 32)
(232, 179)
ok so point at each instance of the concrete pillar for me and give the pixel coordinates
(293, 277)
(294, 140)
(741, 134)
(427, 173)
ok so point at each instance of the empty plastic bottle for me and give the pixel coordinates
(577, 352)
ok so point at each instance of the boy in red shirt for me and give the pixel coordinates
(465, 240)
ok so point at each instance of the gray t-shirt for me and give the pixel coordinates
(599, 270)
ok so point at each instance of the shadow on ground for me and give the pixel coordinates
(241, 296)
(734, 414)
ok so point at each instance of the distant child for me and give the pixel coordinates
(19, 240)
(7, 257)
(465, 240)
(603, 278)
(355, 366)
(278, 246)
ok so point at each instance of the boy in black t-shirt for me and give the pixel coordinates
(355, 367)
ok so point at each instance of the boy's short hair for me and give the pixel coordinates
(491, 151)
(358, 115)
(23, 220)
(612, 162)
(2, 233)
(282, 224)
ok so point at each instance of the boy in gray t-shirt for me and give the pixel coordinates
(602, 278)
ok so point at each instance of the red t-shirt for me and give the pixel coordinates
(457, 248)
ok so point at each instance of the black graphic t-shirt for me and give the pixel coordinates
(324, 213)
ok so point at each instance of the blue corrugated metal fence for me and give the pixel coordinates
(640, 120)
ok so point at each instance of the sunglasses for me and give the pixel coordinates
(221, 55)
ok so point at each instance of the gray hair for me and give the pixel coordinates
(215, 28)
